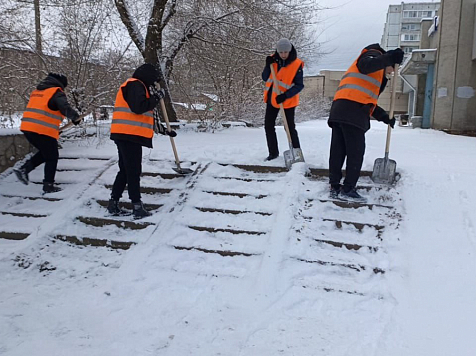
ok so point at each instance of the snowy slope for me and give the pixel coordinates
(237, 262)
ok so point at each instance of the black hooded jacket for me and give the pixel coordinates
(356, 114)
(298, 80)
(135, 95)
(58, 101)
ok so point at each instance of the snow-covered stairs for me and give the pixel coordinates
(24, 209)
(340, 246)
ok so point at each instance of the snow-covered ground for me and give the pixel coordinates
(158, 298)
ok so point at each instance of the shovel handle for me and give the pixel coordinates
(166, 117)
(69, 124)
(392, 108)
(276, 87)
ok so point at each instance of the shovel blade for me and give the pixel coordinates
(384, 171)
(183, 170)
(293, 156)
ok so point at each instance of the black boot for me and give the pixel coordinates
(272, 156)
(114, 209)
(140, 211)
(22, 175)
(49, 187)
(335, 191)
(351, 195)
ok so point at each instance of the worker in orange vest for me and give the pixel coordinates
(47, 108)
(289, 72)
(133, 127)
(355, 102)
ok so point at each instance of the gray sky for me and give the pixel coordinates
(347, 27)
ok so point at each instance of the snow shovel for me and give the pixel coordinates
(178, 169)
(293, 155)
(384, 168)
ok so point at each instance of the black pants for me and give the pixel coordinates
(47, 153)
(270, 122)
(347, 142)
(130, 169)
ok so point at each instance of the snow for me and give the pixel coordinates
(162, 297)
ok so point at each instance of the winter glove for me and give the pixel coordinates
(77, 122)
(156, 93)
(280, 98)
(171, 133)
(390, 122)
(270, 60)
(396, 56)
(74, 117)
(161, 129)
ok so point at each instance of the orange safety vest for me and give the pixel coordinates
(285, 78)
(38, 118)
(362, 88)
(124, 121)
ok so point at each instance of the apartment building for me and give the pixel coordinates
(403, 26)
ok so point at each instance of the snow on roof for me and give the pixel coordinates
(212, 96)
(192, 106)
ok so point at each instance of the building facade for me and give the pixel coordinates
(403, 26)
(445, 66)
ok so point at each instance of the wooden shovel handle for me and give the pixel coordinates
(166, 117)
(276, 87)
(392, 108)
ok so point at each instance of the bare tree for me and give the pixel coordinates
(232, 34)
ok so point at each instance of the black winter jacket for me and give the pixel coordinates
(356, 114)
(298, 80)
(136, 97)
(58, 101)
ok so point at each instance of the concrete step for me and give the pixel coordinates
(239, 195)
(223, 253)
(234, 212)
(358, 268)
(148, 190)
(13, 235)
(231, 231)
(128, 205)
(125, 224)
(98, 242)
(23, 215)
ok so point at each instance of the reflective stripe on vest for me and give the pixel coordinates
(359, 87)
(124, 121)
(40, 119)
(285, 78)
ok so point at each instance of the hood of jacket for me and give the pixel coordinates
(49, 82)
(147, 74)
(376, 46)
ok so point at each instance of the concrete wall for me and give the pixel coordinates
(455, 102)
(13, 148)
(313, 85)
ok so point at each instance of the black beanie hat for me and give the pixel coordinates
(147, 74)
(61, 78)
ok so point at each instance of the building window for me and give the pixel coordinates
(408, 37)
(417, 14)
(409, 49)
(411, 27)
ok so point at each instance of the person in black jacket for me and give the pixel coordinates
(350, 120)
(41, 133)
(284, 55)
(141, 97)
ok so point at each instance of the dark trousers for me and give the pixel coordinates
(270, 122)
(347, 142)
(130, 169)
(47, 153)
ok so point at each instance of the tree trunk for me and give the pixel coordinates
(39, 48)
